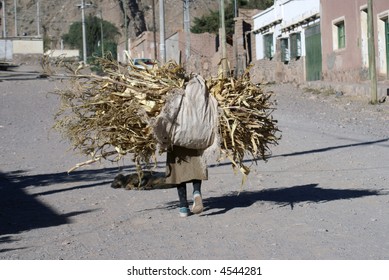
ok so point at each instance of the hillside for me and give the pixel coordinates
(55, 16)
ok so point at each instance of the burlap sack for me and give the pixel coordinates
(189, 118)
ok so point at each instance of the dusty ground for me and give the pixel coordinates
(324, 194)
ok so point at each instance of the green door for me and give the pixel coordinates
(313, 61)
(387, 46)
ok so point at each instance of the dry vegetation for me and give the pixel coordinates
(108, 116)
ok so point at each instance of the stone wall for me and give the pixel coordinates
(275, 71)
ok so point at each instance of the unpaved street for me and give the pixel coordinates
(324, 194)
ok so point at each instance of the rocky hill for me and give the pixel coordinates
(52, 18)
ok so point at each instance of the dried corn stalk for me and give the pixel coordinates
(107, 117)
(246, 123)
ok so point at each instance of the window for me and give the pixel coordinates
(295, 45)
(285, 54)
(268, 45)
(341, 33)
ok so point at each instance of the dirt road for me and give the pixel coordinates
(324, 194)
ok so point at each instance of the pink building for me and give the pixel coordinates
(345, 40)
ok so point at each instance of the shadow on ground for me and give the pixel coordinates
(355, 143)
(19, 75)
(21, 211)
(289, 196)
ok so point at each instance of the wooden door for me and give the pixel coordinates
(313, 59)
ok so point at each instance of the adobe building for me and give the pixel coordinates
(345, 40)
(287, 42)
(243, 43)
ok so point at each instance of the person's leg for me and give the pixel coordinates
(196, 186)
(181, 189)
(197, 207)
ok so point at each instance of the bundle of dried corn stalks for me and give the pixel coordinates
(246, 123)
(107, 117)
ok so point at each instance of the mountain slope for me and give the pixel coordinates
(52, 18)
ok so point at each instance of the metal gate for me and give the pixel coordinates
(313, 58)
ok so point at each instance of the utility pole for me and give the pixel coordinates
(4, 21)
(15, 18)
(38, 18)
(102, 33)
(237, 61)
(83, 31)
(187, 30)
(162, 31)
(222, 32)
(154, 32)
(82, 6)
(125, 27)
(371, 50)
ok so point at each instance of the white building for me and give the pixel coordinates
(286, 20)
(287, 42)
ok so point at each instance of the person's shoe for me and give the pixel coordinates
(197, 207)
(184, 212)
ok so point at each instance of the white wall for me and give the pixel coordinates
(173, 48)
(27, 46)
(6, 50)
(262, 19)
(364, 39)
(382, 61)
(63, 53)
(291, 12)
(296, 10)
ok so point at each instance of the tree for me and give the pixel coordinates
(256, 4)
(210, 23)
(93, 36)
